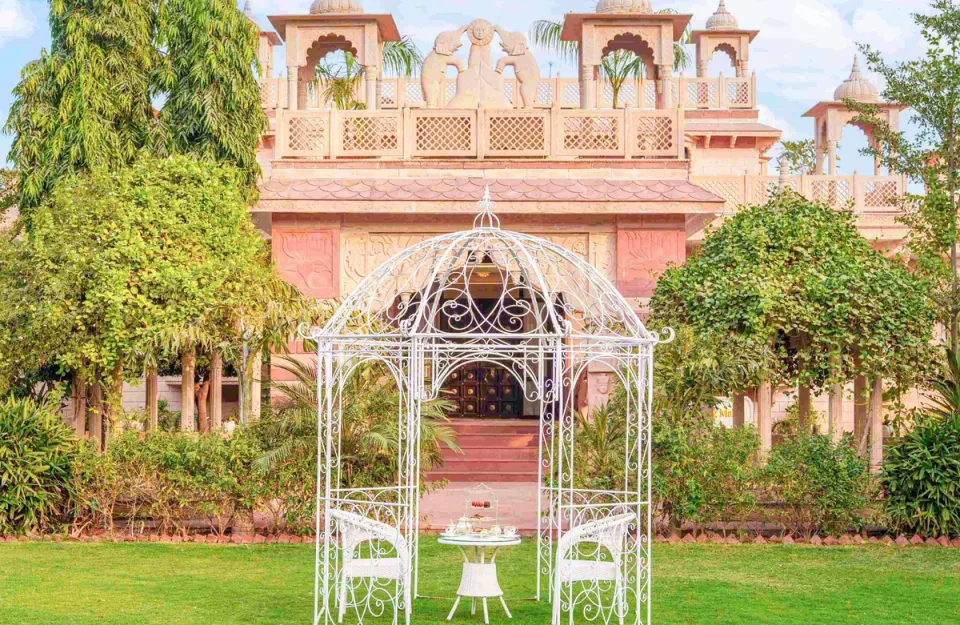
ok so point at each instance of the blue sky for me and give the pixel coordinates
(804, 50)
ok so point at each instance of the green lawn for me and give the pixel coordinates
(149, 583)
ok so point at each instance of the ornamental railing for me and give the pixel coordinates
(474, 134)
(642, 93)
(861, 193)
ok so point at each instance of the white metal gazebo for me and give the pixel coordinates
(545, 315)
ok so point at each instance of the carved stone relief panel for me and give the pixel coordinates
(308, 260)
(642, 255)
(363, 252)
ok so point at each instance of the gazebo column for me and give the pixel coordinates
(765, 416)
(702, 69)
(743, 69)
(876, 425)
(835, 412)
(293, 78)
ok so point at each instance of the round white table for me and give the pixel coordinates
(479, 578)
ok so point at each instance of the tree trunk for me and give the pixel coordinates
(96, 414)
(113, 402)
(188, 365)
(803, 409)
(203, 390)
(765, 417)
(835, 412)
(860, 401)
(739, 409)
(876, 425)
(79, 404)
(153, 399)
(216, 391)
(256, 388)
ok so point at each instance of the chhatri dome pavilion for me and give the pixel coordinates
(629, 183)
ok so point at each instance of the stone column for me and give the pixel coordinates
(665, 73)
(152, 402)
(370, 77)
(739, 409)
(765, 416)
(743, 69)
(216, 391)
(79, 404)
(803, 408)
(876, 425)
(835, 412)
(293, 78)
(702, 69)
(588, 95)
(188, 366)
(832, 157)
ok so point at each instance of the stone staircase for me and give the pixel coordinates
(494, 450)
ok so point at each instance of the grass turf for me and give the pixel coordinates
(188, 584)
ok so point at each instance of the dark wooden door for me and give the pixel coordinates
(484, 390)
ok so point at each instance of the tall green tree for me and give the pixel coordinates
(796, 280)
(162, 256)
(801, 156)
(206, 73)
(930, 155)
(84, 105)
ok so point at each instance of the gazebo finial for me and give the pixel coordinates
(486, 218)
(247, 9)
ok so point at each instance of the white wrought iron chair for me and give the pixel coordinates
(602, 561)
(355, 530)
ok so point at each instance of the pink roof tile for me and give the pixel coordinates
(470, 189)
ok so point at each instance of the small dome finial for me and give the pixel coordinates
(323, 7)
(486, 218)
(856, 86)
(247, 9)
(722, 19)
(624, 6)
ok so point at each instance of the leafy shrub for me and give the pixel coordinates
(702, 471)
(37, 450)
(921, 477)
(819, 486)
(170, 479)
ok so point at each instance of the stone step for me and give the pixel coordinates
(493, 426)
(492, 453)
(503, 441)
(469, 463)
(473, 476)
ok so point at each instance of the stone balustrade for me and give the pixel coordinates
(859, 193)
(687, 93)
(483, 133)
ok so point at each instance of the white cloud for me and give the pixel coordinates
(16, 21)
(768, 117)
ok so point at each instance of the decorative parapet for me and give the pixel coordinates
(483, 133)
(718, 93)
(859, 193)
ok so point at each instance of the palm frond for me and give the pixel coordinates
(546, 35)
(402, 58)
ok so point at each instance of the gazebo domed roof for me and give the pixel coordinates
(323, 7)
(624, 6)
(857, 87)
(722, 19)
(491, 284)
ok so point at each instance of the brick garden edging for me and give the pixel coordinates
(701, 538)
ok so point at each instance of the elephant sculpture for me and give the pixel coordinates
(524, 65)
(434, 67)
